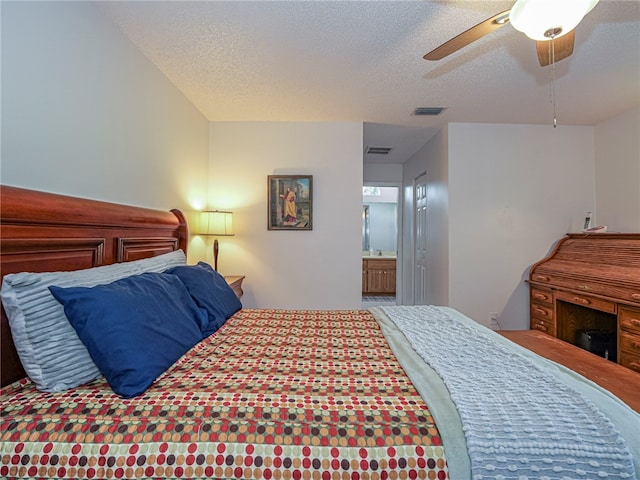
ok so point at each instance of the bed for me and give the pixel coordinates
(400, 392)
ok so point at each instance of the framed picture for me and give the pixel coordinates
(289, 202)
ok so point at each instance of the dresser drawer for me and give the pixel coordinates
(629, 342)
(542, 318)
(541, 313)
(592, 286)
(541, 295)
(629, 360)
(544, 312)
(543, 325)
(542, 278)
(633, 295)
(560, 279)
(587, 301)
(629, 320)
(374, 263)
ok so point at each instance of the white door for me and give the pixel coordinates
(420, 240)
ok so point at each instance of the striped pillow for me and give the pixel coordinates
(49, 348)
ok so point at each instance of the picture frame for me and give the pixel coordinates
(290, 202)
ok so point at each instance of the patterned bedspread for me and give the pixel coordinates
(273, 394)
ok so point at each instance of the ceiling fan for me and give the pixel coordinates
(551, 23)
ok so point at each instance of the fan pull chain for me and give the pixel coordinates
(553, 79)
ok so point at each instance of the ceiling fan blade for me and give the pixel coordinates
(562, 48)
(469, 36)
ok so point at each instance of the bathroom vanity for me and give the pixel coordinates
(378, 275)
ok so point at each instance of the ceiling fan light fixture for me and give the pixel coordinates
(546, 19)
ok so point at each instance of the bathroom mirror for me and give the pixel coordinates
(380, 221)
(366, 244)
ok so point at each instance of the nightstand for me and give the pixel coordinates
(235, 282)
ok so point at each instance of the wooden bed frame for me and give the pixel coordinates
(622, 382)
(49, 232)
(44, 232)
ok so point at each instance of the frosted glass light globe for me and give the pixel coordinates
(535, 18)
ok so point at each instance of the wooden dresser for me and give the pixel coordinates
(590, 282)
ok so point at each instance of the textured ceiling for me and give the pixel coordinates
(362, 61)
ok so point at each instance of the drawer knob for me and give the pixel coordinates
(540, 296)
(635, 296)
(541, 327)
(584, 287)
(584, 301)
(542, 278)
(539, 311)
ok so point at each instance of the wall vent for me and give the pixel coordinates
(429, 111)
(377, 150)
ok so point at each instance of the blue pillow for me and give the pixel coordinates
(210, 291)
(134, 328)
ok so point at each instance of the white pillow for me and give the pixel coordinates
(49, 348)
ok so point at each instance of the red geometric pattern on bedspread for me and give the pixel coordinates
(274, 394)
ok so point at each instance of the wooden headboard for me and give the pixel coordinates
(44, 232)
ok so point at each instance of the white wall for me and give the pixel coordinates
(313, 269)
(499, 197)
(374, 173)
(617, 163)
(514, 190)
(84, 113)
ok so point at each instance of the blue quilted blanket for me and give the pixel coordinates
(519, 421)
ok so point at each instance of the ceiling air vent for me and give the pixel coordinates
(429, 111)
(377, 150)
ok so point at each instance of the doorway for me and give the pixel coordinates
(380, 240)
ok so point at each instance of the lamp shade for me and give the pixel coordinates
(535, 18)
(215, 222)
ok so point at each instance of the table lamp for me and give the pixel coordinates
(215, 223)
